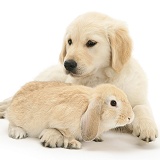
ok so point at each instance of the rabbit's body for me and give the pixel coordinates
(49, 106)
(67, 108)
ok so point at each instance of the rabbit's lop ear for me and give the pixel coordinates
(90, 121)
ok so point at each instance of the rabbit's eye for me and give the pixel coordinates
(113, 103)
(70, 41)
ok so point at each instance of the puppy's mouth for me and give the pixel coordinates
(77, 74)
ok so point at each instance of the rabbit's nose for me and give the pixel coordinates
(130, 118)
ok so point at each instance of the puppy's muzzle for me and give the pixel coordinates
(70, 65)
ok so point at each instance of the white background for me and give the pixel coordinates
(31, 33)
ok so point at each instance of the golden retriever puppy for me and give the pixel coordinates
(97, 49)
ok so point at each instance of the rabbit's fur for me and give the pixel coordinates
(60, 114)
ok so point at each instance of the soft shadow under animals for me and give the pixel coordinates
(118, 142)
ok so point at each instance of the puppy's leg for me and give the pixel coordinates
(3, 106)
(51, 138)
(143, 125)
(16, 132)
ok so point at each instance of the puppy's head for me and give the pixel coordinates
(94, 41)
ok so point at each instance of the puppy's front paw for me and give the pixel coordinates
(145, 129)
(51, 138)
(16, 132)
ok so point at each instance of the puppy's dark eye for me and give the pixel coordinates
(69, 41)
(91, 43)
(113, 103)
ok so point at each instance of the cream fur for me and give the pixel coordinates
(109, 61)
(76, 111)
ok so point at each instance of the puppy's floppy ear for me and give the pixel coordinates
(90, 120)
(63, 52)
(121, 46)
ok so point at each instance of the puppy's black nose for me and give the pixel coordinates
(70, 65)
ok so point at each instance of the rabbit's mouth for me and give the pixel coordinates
(123, 129)
(123, 121)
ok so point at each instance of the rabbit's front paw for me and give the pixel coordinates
(51, 138)
(74, 144)
(2, 114)
(3, 108)
(145, 129)
(98, 139)
(16, 132)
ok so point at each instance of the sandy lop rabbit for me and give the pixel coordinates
(61, 114)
